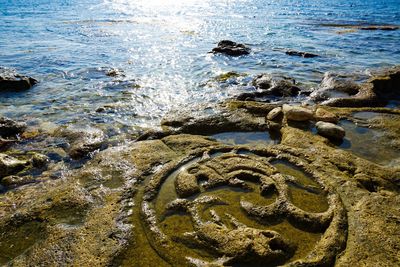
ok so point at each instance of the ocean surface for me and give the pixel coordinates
(157, 52)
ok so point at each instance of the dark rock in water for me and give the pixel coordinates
(231, 48)
(363, 27)
(301, 54)
(12, 81)
(330, 130)
(114, 73)
(9, 127)
(271, 86)
(100, 109)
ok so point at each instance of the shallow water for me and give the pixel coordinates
(248, 138)
(367, 142)
(161, 48)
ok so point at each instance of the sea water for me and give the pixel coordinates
(136, 60)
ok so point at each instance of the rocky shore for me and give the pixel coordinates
(183, 196)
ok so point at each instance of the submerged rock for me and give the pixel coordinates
(12, 81)
(10, 127)
(300, 54)
(365, 27)
(296, 113)
(330, 130)
(231, 48)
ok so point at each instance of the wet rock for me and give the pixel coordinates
(300, 54)
(186, 121)
(276, 85)
(386, 85)
(227, 76)
(296, 113)
(10, 165)
(10, 127)
(335, 86)
(343, 92)
(231, 48)
(322, 114)
(83, 140)
(275, 114)
(39, 160)
(4, 143)
(13, 180)
(114, 73)
(12, 81)
(330, 130)
(271, 86)
(100, 109)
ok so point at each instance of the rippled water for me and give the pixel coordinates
(161, 51)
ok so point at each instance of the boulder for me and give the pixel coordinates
(296, 113)
(10, 165)
(10, 127)
(12, 81)
(330, 130)
(322, 114)
(300, 54)
(231, 48)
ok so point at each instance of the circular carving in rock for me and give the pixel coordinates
(243, 208)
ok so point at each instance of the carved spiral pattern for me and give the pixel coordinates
(235, 242)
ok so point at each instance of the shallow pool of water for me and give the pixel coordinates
(368, 143)
(246, 138)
